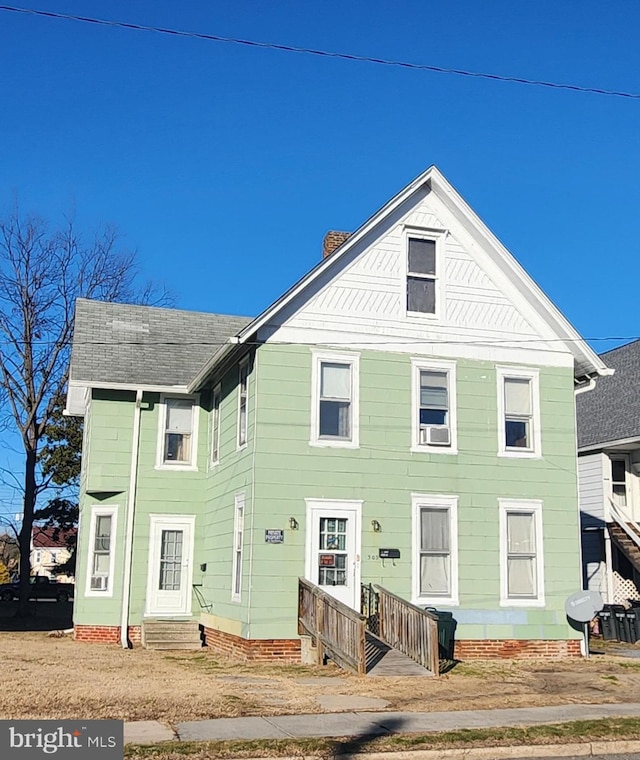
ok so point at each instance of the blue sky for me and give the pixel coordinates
(224, 165)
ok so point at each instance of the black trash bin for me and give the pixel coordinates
(622, 623)
(608, 621)
(446, 633)
(631, 621)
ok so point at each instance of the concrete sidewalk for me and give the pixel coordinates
(359, 724)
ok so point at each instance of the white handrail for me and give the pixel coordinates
(622, 520)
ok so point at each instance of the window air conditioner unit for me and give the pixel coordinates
(435, 435)
(99, 583)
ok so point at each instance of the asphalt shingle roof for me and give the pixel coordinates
(611, 411)
(146, 345)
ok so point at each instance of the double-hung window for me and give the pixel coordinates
(215, 425)
(101, 551)
(334, 413)
(177, 433)
(521, 560)
(238, 533)
(435, 553)
(518, 412)
(434, 406)
(243, 397)
(422, 274)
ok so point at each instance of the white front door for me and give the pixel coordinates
(170, 565)
(333, 548)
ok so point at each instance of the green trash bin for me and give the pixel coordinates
(446, 632)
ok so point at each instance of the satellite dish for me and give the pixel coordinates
(583, 605)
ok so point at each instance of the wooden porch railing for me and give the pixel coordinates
(409, 629)
(339, 631)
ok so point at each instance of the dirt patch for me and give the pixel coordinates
(60, 678)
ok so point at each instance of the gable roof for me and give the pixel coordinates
(46, 537)
(121, 344)
(586, 361)
(611, 411)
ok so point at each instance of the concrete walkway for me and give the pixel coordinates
(361, 724)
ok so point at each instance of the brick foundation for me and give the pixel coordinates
(253, 650)
(105, 634)
(487, 649)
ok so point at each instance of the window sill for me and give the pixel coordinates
(418, 449)
(242, 447)
(334, 444)
(177, 467)
(419, 316)
(436, 601)
(236, 599)
(98, 594)
(514, 454)
(522, 603)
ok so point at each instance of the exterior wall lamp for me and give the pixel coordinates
(377, 528)
(293, 523)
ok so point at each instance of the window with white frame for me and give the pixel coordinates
(521, 559)
(177, 444)
(53, 555)
(334, 414)
(243, 393)
(100, 567)
(422, 274)
(38, 557)
(518, 412)
(619, 480)
(435, 555)
(238, 537)
(215, 425)
(434, 406)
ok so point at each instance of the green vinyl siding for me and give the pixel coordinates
(158, 491)
(278, 469)
(383, 473)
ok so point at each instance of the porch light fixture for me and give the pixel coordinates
(293, 523)
(376, 526)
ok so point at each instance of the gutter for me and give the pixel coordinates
(131, 505)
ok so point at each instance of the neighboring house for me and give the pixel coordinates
(414, 391)
(608, 470)
(50, 550)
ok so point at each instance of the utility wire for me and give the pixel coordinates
(323, 53)
(358, 342)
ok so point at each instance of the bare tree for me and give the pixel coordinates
(42, 272)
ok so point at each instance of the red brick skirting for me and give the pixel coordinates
(486, 649)
(105, 634)
(252, 650)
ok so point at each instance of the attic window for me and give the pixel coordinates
(421, 275)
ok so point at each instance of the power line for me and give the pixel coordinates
(389, 341)
(323, 53)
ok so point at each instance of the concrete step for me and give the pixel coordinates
(171, 634)
(173, 645)
(174, 636)
(172, 627)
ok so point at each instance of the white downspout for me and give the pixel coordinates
(131, 505)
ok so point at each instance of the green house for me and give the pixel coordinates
(403, 415)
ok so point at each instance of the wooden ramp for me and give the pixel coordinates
(383, 660)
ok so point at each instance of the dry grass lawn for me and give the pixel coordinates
(58, 678)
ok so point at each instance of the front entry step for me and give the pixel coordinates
(171, 634)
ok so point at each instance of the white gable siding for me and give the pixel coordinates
(591, 489)
(362, 301)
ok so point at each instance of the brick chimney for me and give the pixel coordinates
(333, 240)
